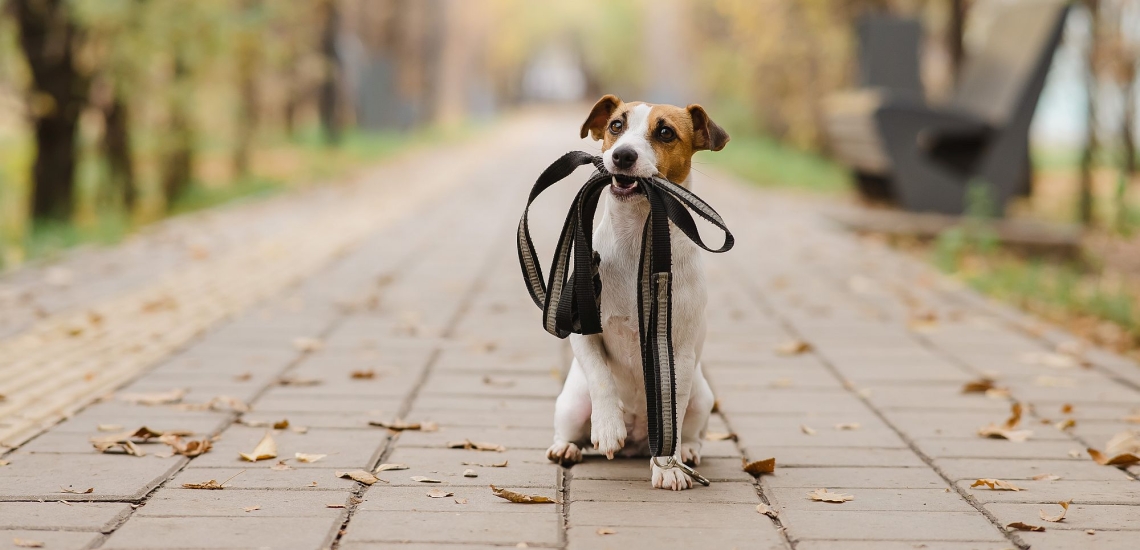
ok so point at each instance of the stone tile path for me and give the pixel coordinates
(411, 273)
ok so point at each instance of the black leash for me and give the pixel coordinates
(570, 302)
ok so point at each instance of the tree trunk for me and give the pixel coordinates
(48, 38)
(116, 148)
(1088, 157)
(178, 166)
(955, 35)
(330, 85)
(248, 55)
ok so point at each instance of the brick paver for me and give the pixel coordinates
(425, 294)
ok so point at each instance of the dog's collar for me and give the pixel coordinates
(570, 302)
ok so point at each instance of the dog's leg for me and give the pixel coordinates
(607, 422)
(684, 367)
(571, 418)
(696, 419)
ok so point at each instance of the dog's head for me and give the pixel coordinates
(643, 139)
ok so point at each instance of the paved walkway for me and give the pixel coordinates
(409, 273)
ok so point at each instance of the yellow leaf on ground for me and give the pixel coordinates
(251, 508)
(385, 467)
(1067, 408)
(27, 543)
(365, 374)
(823, 495)
(996, 485)
(400, 425)
(154, 398)
(1120, 461)
(109, 427)
(764, 509)
(793, 347)
(502, 464)
(1065, 424)
(981, 385)
(70, 490)
(190, 448)
(1124, 442)
(461, 501)
(766, 466)
(807, 429)
(298, 381)
(212, 485)
(307, 458)
(605, 531)
(425, 479)
(440, 493)
(1020, 526)
(265, 449)
(470, 473)
(720, 436)
(521, 498)
(359, 475)
(1046, 477)
(848, 426)
(1054, 519)
(336, 506)
(476, 445)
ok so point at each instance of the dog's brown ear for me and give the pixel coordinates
(595, 124)
(707, 135)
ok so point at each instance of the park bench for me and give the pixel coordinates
(926, 156)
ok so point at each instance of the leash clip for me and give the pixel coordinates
(673, 462)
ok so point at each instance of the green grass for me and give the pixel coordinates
(768, 162)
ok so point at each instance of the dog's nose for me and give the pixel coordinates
(624, 157)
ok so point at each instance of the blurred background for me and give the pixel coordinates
(118, 113)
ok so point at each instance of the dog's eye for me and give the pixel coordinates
(615, 127)
(666, 134)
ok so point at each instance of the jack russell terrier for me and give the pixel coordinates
(603, 400)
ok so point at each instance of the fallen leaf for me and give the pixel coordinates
(996, 485)
(807, 429)
(127, 447)
(849, 426)
(1124, 442)
(190, 448)
(461, 501)
(385, 467)
(439, 493)
(281, 424)
(335, 506)
(824, 496)
(605, 531)
(1006, 431)
(1024, 527)
(281, 466)
(1046, 477)
(476, 445)
(720, 436)
(4, 463)
(425, 479)
(154, 398)
(307, 458)
(470, 473)
(998, 393)
(1054, 519)
(1075, 453)
(1090, 531)
(299, 429)
(766, 466)
(366, 374)
(109, 427)
(1065, 424)
(298, 381)
(502, 464)
(1014, 416)
(243, 377)
(68, 489)
(1067, 408)
(212, 484)
(1120, 461)
(400, 425)
(251, 508)
(308, 345)
(498, 382)
(359, 475)
(1132, 419)
(981, 385)
(521, 498)
(793, 347)
(27, 543)
(265, 449)
(764, 509)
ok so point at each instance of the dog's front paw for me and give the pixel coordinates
(564, 452)
(608, 435)
(691, 453)
(671, 478)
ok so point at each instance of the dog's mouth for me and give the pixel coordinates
(624, 186)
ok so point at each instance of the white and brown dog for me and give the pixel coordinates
(603, 401)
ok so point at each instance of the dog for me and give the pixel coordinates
(603, 399)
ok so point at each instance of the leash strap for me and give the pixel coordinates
(570, 300)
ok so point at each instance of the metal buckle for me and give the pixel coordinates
(672, 462)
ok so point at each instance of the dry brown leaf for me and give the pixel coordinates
(764, 509)
(265, 449)
(1055, 519)
(27, 543)
(1124, 442)
(521, 498)
(400, 425)
(4, 463)
(308, 345)
(298, 381)
(190, 448)
(154, 398)
(1020, 526)
(126, 446)
(72, 491)
(439, 493)
(793, 347)
(502, 464)
(1065, 424)
(996, 485)
(476, 445)
(848, 426)
(109, 427)
(359, 475)
(336, 506)
(1014, 416)
(212, 484)
(365, 374)
(251, 508)
(605, 531)
(823, 495)
(981, 385)
(807, 429)
(470, 473)
(461, 501)
(720, 436)
(998, 393)
(1046, 477)
(1006, 431)
(766, 466)
(1067, 408)
(1120, 461)
(425, 479)
(386, 466)
(307, 458)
